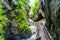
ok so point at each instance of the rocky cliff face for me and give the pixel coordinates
(52, 12)
(55, 17)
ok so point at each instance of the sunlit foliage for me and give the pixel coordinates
(3, 20)
(34, 8)
(21, 18)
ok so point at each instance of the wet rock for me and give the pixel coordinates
(52, 10)
(55, 17)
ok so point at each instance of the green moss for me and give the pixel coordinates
(1, 38)
(3, 20)
(21, 18)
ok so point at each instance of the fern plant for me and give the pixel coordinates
(34, 8)
(21, 18)
(3, 20)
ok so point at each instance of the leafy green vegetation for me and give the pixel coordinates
(3, 20)
(21, 18)
(26, 1)
(18, 14)
(34, 8)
